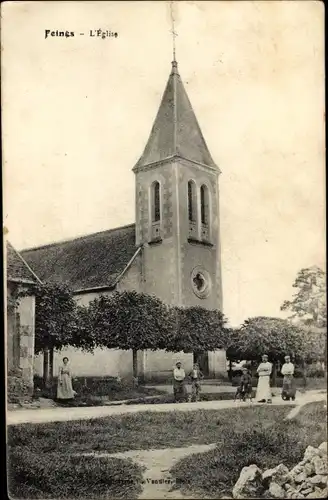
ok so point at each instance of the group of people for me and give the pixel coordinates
(179, 382)
(65, 390)
(245, 389)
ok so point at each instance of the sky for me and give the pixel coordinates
(77, 113)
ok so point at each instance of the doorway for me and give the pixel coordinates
(202, 359)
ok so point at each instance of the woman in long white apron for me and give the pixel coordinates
(263, 392)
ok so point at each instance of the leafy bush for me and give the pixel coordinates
(262, 443)
(315, 372)
(90, 390)
(53, 475)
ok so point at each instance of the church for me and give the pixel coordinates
(171, 251)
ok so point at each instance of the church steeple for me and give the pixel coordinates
(175, 132)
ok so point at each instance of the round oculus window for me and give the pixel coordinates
(201, 282)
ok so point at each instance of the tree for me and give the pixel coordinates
(309, 309)
(309, 302)
(55, 319)
(315, 341)
(59, 322)
(130, 320)
(265, 335)
(196, 330)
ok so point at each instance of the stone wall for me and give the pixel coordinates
(20, 349)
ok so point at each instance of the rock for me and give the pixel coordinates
(291, 492)
(323, 447)
(278, 475)
(295, 494)
(324, 493)
(305, 485)
(295, 471)
(320, 465)
(308, 469)
(276, 490)
(249, 484)
(300, 478)
(307, 491)
(310, 452)
(318, 493)
(318, 479)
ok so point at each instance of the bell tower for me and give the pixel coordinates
(177, 206)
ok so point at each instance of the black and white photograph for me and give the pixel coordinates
(164, 249)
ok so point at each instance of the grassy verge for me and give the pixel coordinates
(54, 475)
(138, 430)
(266, 442)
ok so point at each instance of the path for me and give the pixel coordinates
(157, 463)
(206, 388)
(64, 414)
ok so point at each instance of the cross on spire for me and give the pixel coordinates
(174, 33)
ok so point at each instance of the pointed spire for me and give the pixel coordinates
(175, 132)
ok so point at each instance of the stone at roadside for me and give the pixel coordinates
(249, 484)
(278, 475)
(318, 479)
(309, 469)
(276, 490)
(324, 493)
(320, 465)
(291, 492)
(318, 493)
(295, 471)
(305, 486)
(311, 452)
(307, 491)
(295, 494)
(300, 478)
(323, 448)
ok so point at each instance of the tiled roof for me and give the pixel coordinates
(175, 131)
(91, 261)
(17, 269)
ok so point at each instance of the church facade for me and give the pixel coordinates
(171, 251)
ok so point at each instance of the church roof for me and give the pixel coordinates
(17, 268)
(91, 261)
(176, 131)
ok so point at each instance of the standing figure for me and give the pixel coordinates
(263, 393)
(179, 388)
(64, 389)
(196, 377)
(244, 389)
(288, 385)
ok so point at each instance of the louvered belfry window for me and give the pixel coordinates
(191, 201)
(156, 202)
(204, 203)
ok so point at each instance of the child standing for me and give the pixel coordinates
(245, 384)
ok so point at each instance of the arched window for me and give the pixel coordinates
(192, 202)
(156, 202)
(204, 205)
